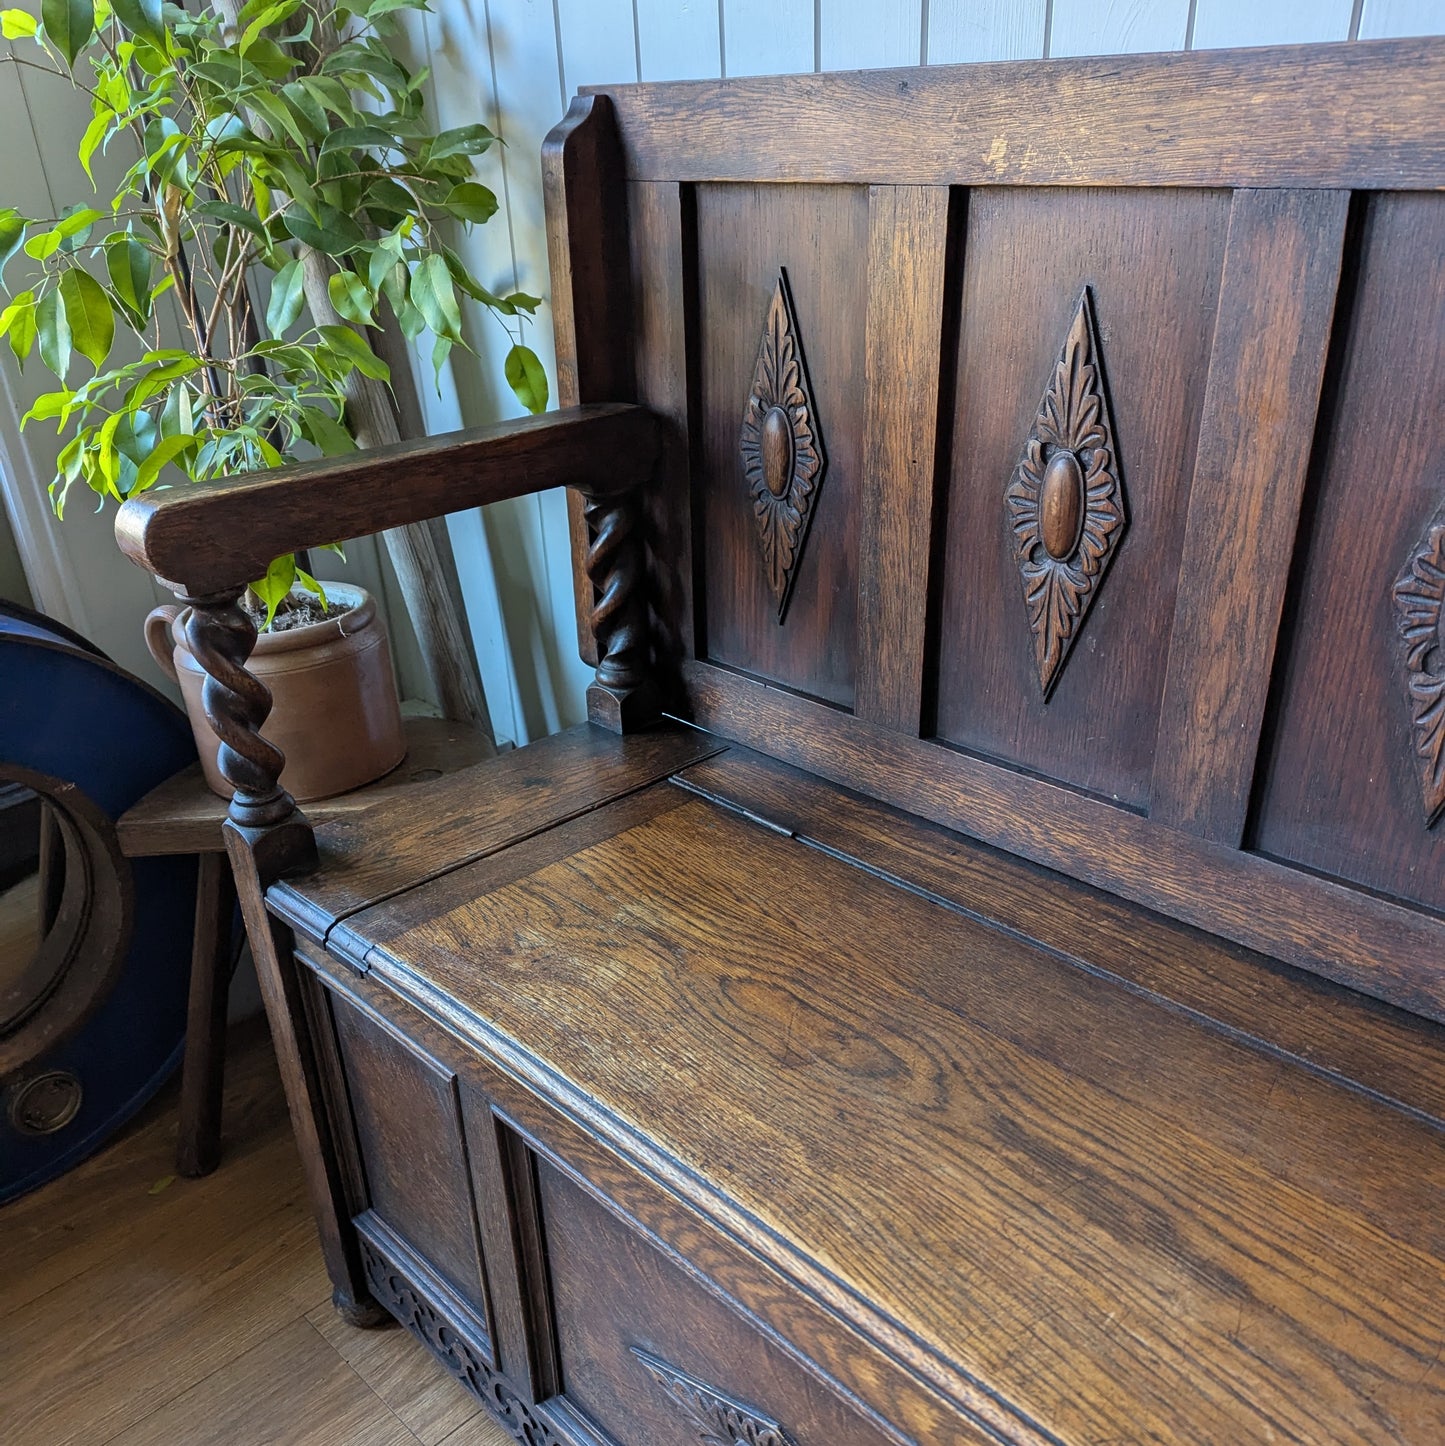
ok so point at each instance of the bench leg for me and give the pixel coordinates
(276, 971)
(203, 1071)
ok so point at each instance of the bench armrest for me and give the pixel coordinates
(210, 536)
(207, 541)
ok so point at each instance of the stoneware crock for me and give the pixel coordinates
(334, 710)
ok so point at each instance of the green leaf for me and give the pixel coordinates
(306, 107)
(463, 141)
(48, 405)
(232, 214)
(68, 25)
(312, 586)
(352, 298)
(273, 588)
(471, 202)
(22, 329)
(441, 350)
(12, 233)
(54, 332)
(162, 453)
(328, 434)
(24, 302)
(16, 25)
(43, 244)
(87, 309)
(270, 15)
(520, 301)
(128, 264)
(433, 295)
(279, 114)
(358, 138)
(333, 232)
(143, 18)
(95, 133)
(526, 378)
(355, 352)
(74, 227)
(288, 292)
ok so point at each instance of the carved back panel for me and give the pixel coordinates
(1082, 497)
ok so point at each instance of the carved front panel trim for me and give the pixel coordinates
(782, 452)
(394, 1289)
(1065, 504)
(1420, 616)
(718, 1420)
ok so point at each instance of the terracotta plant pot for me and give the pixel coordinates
(334, 709)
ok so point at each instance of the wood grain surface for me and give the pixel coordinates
(214, 534)
(1151, 259)
(1341, 793)
(1277, 302)
(444, 824)
(819, 236)
(1133, 1195)
(183, 816)
(1315, 923)
(1357, 1041)
(1363, 114)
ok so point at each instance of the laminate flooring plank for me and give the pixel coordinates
(292, 1389)
(400, 1370)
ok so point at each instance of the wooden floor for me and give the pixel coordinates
(144, 1310)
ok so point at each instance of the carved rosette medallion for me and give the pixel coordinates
(1420, 616)
(718, 1420)
(1066, 508)
(782, 453)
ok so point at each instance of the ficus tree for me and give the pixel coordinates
(282, 183)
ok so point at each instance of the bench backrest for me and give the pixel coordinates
(1056, 452)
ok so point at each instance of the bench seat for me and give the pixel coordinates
(735, 1015)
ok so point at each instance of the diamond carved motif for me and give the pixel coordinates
(1065, 504)
(782, 452)
(1419, 594)
(718, 1420)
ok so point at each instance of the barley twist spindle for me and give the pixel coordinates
(221, 636)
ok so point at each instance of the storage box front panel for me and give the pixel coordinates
(409, 1136)
(650, 1355)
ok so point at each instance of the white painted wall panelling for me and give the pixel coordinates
(863, 34)
(972, 30)
(768, 37)
(1382, 18)
(1117, 27)
(679, 39)
(1270, 22)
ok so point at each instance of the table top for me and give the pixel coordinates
(183, 816)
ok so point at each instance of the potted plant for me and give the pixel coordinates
(213, 310)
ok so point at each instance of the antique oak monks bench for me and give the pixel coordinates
(976, 978)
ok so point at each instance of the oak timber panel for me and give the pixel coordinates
(1151, 261)
(409, 1132)
(1324, 1026)
(819, 235)
(1343, 794)
(1362, 114)
(614, 1294)
(1124, 1191)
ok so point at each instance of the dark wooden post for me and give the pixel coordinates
(623, 697)
(268, 836)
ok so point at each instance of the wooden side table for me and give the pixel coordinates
(183, 816)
